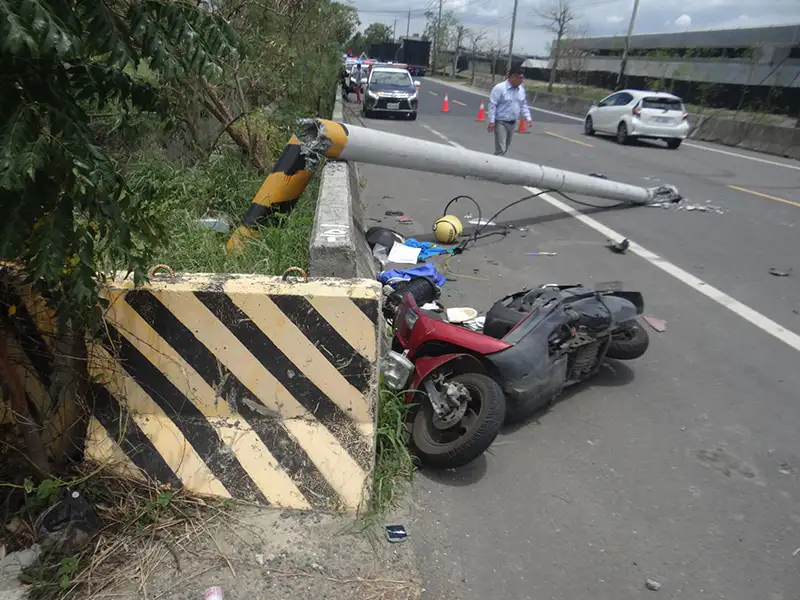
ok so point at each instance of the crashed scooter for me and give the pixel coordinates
(465, 385)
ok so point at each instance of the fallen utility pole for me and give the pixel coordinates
(349, 142)
(320, 138)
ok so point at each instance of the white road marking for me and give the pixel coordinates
(690, 144)
(748, 314)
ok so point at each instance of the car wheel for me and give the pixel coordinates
(673, 144)
(412, 116)
(588, 126)
(622, 134)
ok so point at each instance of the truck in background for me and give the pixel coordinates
(416, 54)
(384, 51)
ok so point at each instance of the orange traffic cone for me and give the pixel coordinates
(445, 104)
(481, 113)
(523, 126)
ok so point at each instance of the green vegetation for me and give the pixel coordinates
(115, 113)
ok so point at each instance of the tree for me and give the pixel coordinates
(476, 38)
(67, 210)
(440, 32)
(557, 18)
(377, 33)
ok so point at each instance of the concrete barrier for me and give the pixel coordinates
(235, 386)
(338, 247)
(242, 387)
(770, 139)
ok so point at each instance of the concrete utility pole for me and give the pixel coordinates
(623, 63)
(511, 39)
(408, 24)
(394, 29)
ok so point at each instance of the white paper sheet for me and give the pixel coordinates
(402, 254)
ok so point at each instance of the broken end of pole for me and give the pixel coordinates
(663, 194)
(321, 137)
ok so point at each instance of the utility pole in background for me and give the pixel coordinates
(624, 60)
(436, 38)
(408, 24)
(394, 30)
(511, 39)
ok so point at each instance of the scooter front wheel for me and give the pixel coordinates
(471, 435)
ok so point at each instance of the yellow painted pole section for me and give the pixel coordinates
(284, 185)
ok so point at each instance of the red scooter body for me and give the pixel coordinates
(429, 328)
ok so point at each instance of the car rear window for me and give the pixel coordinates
(663, 103)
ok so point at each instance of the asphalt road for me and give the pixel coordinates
(681, 466)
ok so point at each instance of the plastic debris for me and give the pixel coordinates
(475, 324)
(406, 220)
(461, 314)
(396, 533)
(541, 253)
(618, 247)
(394, 213)
(483, 222)
(780, 272)
(69, 523)
(660, 325)
(652, 585)
(216, 224)
(428, 249)
(213, 593)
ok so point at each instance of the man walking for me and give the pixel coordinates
(507, 103)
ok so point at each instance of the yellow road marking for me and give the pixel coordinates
(562, 137)
(767, 196)
(434, 93)
(457, 102)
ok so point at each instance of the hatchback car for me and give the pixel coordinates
(390, 90)
(630, 114)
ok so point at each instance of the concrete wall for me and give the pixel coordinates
(338, 247)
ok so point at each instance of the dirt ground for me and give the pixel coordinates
(259, 554)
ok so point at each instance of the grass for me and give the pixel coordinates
(220, 187)
(394, 466)
(138, 524)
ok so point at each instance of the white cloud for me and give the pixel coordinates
(595, 18)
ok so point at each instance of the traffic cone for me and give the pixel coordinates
(445, 104)
(523, 126)
(481, 113)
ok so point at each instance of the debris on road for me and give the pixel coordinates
(541, 253)
(213, 593)
(406, 220)
(598, 175)
(618, 247)
(216, 224)
(396, 533)
(461, 314)
(482, 222)
(652, 585)
(402, 254)
(394, 213)
(660, 325)
(780, 272)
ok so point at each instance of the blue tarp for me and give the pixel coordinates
(395, 276)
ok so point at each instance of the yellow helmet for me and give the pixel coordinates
(447, 229)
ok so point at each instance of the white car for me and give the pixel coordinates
(630, 114)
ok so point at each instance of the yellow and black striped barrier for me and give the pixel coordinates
(244, 387)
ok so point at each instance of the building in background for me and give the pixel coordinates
(732, 68)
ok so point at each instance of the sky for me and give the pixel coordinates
(595, 17)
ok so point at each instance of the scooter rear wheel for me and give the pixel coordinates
(630, 343)
(471, 436)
